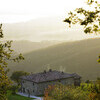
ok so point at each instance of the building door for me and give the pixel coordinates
(23, 90)
(28, 92)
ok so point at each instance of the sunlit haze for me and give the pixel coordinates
(22, 10)
(49, 49)
(38, 20)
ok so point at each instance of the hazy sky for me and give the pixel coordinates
(23, 10)
(12, 11)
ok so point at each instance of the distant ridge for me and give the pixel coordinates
(74, 57)
(25, 46)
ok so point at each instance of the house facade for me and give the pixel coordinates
(35, 84)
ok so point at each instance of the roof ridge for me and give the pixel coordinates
(49, 76)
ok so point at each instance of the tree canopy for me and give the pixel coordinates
(89, 18)
(6, 54)
(16, 76)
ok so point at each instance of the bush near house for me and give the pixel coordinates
(61, 92)
(14, 89)
(86, 91)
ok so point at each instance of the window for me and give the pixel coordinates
(23, 90)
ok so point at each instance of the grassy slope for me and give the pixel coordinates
(80, 57)
(17, 97)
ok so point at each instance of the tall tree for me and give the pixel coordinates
(6, 54)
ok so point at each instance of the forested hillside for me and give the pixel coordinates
(73, 57)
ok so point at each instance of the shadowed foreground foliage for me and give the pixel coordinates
(61, 92)
(90, 91)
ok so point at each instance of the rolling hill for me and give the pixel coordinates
(25, 46)
(48, 28)
(73, 57)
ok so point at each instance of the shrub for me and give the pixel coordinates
(14, 89)
(62, 92)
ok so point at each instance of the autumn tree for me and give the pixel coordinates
(6, 54)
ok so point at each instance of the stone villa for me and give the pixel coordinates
(35, 84)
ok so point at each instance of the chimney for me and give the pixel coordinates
(44, 71)
(50, 70)
(62, 72)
